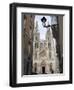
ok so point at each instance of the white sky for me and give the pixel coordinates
(41, 29)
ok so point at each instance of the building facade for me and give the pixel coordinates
(27, 43)
(45, 60)
(58, 35)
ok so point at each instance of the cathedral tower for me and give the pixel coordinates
(36, 47)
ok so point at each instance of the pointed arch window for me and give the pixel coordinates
(36, 38)
(35, 55)
(49, 45)
(50, 54)
(36, 45)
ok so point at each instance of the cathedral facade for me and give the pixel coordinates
(45, 60)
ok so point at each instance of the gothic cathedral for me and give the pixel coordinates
(45, 60)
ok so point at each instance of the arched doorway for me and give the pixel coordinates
(43, 67)
(35, 68)
(43, 70)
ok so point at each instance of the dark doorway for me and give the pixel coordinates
(27, 68)
(43, 70)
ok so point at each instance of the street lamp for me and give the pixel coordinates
(44, 22)
(43, 19)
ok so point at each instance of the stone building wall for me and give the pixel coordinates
(27, 43)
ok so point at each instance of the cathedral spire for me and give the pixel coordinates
(36, 26)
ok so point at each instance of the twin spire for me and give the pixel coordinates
(36, 26)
